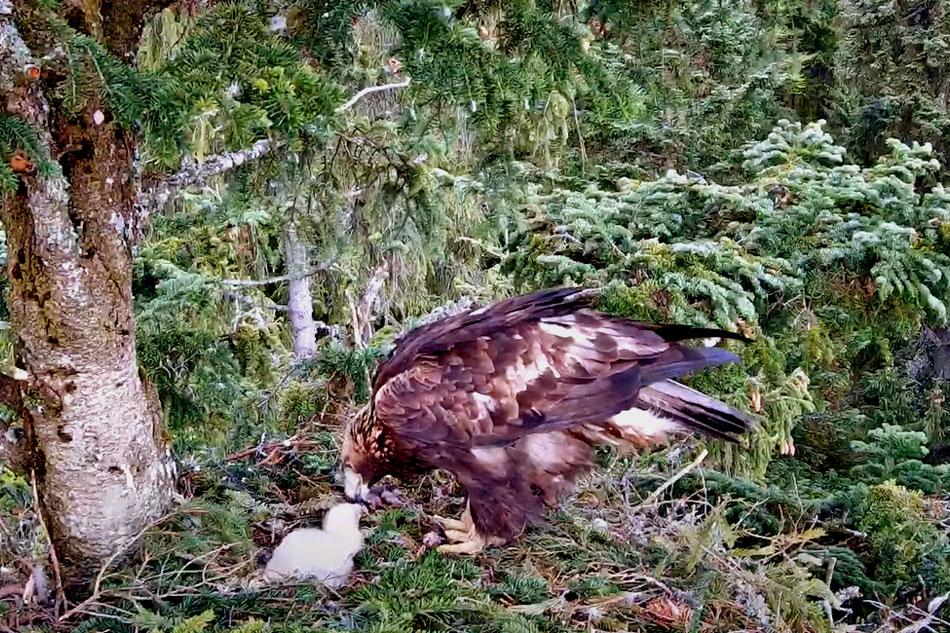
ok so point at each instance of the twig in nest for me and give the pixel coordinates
(682, 473)
(275, 457)
(60, 592)
(270, 447)
(97, 586)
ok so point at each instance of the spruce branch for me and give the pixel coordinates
(197, 174)
(248, 302)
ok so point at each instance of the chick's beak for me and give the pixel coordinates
(354, 488)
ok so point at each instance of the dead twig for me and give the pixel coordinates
(269, 448)
(365, 91)
(100, 577)
(682, 473)
(243, 283)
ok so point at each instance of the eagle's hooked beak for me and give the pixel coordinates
(354, 488)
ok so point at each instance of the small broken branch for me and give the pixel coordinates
(366, 91)
(362, 314)
(650, 500)
(370, 298)
(244, 283)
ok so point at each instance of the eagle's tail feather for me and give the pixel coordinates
(683, 361)
(676, 332)
(693, 409)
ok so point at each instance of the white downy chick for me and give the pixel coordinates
(324, 555)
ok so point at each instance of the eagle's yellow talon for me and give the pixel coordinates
(468, 542)
(465, 547)
(456, 536)
(451, 524)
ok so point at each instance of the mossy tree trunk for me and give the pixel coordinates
(93, 423)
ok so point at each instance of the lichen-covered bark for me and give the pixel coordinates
(299, 298)
(93, 423)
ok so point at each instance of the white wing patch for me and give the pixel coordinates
(567, 327)
(556, 327)
(495, 460)
(644, 424)
(486, 403)
(543, 449)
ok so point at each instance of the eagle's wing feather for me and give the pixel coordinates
(529, 366)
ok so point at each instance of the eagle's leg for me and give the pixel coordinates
(467, 539)
(473, 543)
(455, 525)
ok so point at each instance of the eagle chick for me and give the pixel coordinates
(513, 398)
(323, 555)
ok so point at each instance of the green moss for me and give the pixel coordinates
(899, 535)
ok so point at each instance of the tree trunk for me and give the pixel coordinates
(93, 422)
(299, 299)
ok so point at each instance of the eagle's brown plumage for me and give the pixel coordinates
(512, 398)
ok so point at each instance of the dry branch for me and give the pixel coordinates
(80, 609)
(682, 473)
(366, 91)
(197, 174)
(268, 448)
(282, 278)
(361, 316)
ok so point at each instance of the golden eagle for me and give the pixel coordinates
(512, 398)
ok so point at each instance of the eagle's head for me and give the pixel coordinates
(363, 458)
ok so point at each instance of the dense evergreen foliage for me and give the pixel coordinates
(777, 169)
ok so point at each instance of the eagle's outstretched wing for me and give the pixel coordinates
(513, 397)
(544, 362)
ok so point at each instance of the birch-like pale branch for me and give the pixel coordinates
(366, 91)
(197, 174)
(361, 315)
